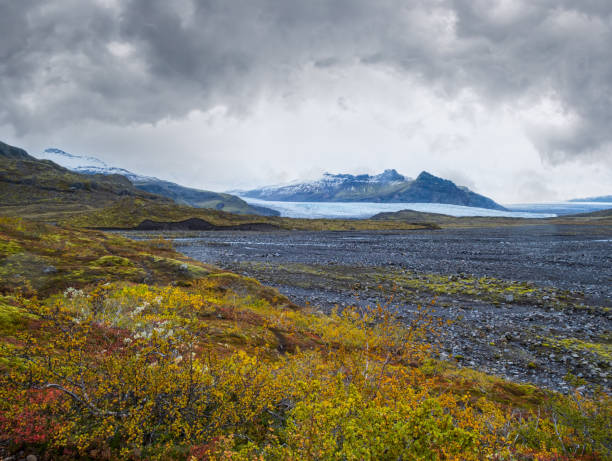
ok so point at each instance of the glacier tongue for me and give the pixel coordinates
(361, 210)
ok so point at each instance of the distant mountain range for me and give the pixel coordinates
(180, 194)
(387, 187)
(602, 199)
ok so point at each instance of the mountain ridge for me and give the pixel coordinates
(386, 187)
(12, 152)
(602, 198)
(26, 181)
(180, 194)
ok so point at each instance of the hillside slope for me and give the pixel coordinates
(180, 194)
(201, 198)
(12, 152)
(598, 218)
(41, 187)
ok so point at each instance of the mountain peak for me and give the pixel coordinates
(425, 175)
(390, 175)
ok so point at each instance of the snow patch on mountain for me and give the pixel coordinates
(70, 161)
(88, 165)
(329, 183)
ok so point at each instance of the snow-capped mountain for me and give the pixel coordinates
(180, 194)
(88, 165)
(387, 187)
(602, 199)
(330, 184)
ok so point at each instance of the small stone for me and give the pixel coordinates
(31, 458)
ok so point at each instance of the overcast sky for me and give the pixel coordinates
(512, 98)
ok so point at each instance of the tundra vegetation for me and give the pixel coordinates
(112, 348)
(524, 330)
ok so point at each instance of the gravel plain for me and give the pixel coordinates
(530, 303)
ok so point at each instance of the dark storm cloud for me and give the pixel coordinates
(135, 61)
(556, 47)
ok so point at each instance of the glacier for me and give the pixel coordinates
(362, 210)
(561, 208)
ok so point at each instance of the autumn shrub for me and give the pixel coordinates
(143, 372)
(583, 425)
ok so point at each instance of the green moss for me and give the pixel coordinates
(12, 318)
(524, 395)
(182, 267)
(110, 260)
(232, 276)
(602, 351)
(9, 248)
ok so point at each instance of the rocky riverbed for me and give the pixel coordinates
(530, 303)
